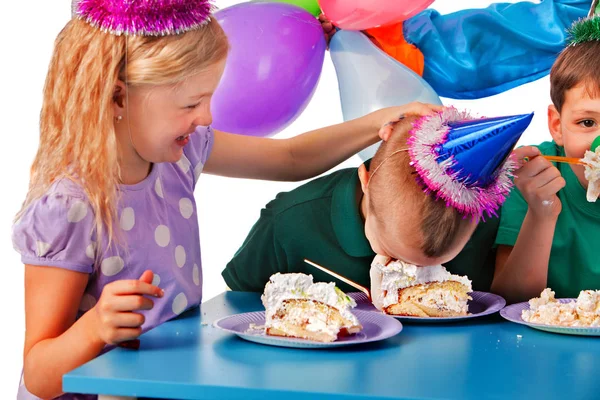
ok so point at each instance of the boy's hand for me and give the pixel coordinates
(387, 118)
(115, 313)
(539, 181)
(328, 28)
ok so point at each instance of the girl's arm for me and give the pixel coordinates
(54, 343)
(302, 156)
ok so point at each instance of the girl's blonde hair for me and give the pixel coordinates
(77, 135)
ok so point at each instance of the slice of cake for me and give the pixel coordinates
(297, 307)
(399, 288)
(592, 173)
(547, 310)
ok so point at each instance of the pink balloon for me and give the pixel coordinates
(364, 14)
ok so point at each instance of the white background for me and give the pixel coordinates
(228, 207)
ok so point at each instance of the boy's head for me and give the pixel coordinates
(574, 116)
(401, 220)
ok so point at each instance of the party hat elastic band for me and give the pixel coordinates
(144, 17)
(595, 8)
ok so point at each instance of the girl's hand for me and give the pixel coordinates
(539, 181)
(386, 118)
(328, 28)
(116, 319)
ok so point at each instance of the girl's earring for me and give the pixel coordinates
(118, 118)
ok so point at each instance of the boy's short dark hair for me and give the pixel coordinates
(576, 64)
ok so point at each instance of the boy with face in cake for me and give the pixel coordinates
(342, 220)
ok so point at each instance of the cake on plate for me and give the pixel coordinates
(547, 310)
(297, 307)
(404, 289)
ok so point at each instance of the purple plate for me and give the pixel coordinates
(375, 327)
(513, 312)
(483, 303)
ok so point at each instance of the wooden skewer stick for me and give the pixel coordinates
(341, 278)
(569, 160)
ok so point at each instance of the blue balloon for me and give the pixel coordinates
(369, 79)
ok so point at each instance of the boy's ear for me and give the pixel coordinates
(363, 176)
(554, 125)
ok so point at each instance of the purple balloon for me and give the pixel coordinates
(272, 69)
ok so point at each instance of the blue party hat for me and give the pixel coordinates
(465, 161)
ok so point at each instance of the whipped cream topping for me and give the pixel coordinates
(585, 311)
(588, 301)
(283, 287)
(592, 174)
(387, 279)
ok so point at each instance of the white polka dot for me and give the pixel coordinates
(186, 207)
(158, 188)
(90, 251)
(180, 256)
(156, 280)
(162, 235)
(179, 303)
(77, 212)
(198, 171)
(196, 275)
(184, 164)
(87, 302)
(127, 219)
(112, 265)
(42, 248)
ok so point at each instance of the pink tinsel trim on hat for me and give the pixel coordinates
(144, 17)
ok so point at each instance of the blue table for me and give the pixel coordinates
(488, 358)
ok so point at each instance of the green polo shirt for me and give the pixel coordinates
(574, 262)
(320, 221)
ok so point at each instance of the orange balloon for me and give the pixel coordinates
(391, 40)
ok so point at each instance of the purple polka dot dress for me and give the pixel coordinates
(159, 225)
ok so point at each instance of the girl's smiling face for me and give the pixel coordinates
(157, 120)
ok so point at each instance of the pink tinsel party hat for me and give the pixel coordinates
(144, 17)
(465, 161)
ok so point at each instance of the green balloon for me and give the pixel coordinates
(312, 6)
(595, 144)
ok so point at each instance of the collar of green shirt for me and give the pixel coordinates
(347, 222)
